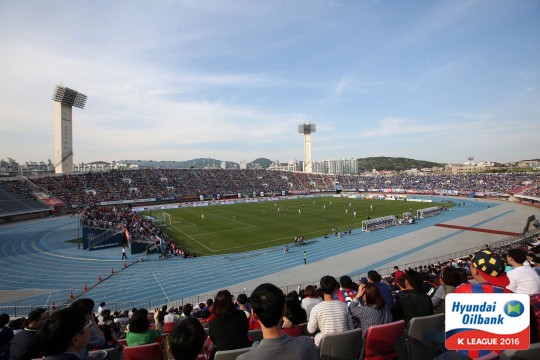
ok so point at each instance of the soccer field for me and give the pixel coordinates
(212, 230)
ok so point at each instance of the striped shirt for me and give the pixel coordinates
(481, 288)
(329, 317)
(367, 316)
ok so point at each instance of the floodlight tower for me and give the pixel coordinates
(65, 98)
(307, 129)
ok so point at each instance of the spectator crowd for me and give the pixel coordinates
(271, 324)
(189, 184)
(291, 325)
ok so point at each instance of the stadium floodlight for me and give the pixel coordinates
(65, 98)
(307, 129)
(69, 96)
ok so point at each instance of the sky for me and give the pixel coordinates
(232, 79)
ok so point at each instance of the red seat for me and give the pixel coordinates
(168, 326)
(122, 342)
(381, 340)
(293, 331)
(143, 352)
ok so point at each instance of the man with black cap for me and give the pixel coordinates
(487, 269)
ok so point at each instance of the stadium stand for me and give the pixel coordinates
(87, 191)
(189, 184)
(17, 198)
(139, 229)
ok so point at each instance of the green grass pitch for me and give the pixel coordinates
(212, 230)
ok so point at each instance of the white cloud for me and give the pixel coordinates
(392, 126)
(342, 84)
(234, 79)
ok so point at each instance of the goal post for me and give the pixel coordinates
(167, 219)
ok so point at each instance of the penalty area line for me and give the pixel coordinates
(192, 238)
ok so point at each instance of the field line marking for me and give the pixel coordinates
(48, 298)
(192, 238)
(285, 237)
(182, 219)
(224, 217)
(222, 231)
(157, 280)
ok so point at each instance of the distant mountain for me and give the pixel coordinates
(393, 163)
(199, 163)
(366, 164)
(193, 163)
(262, 162)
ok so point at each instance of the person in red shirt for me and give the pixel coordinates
(397, 274)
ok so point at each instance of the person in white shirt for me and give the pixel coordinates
(171, 316)
(523, 279)
(100, 308)
(330, 316)
(311, 299)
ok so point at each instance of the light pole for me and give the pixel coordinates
(307, 129)
(65, 98)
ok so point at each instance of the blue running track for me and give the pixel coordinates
(34, 255)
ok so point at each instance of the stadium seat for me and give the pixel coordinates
(209, 348)
(113, 354)
(381, 340)
(419, 325)
(532, 353)
(143, 352)
(168, 326)
(490, 356)
(344, 345)
(230, 354)
(293, 331)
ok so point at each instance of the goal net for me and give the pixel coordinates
(166, 219)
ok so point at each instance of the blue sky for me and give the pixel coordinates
(231, 80)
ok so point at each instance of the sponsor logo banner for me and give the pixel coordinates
(487, 321)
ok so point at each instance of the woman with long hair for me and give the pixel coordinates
(295, 314)
(229, 327)
(368, 308)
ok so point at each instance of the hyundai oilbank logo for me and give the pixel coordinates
(476, 322)
(514, 308)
